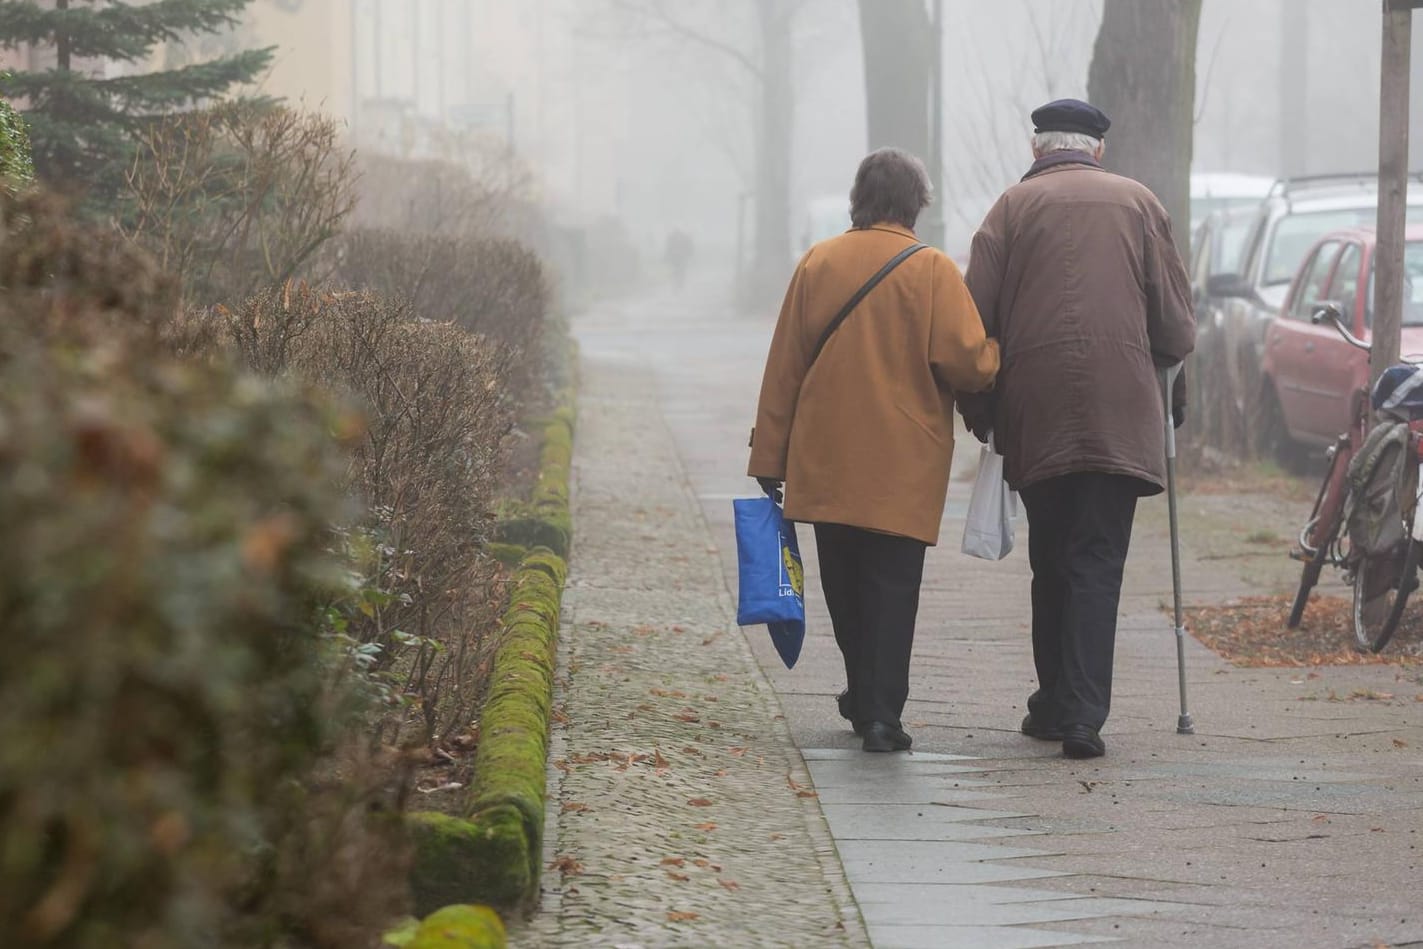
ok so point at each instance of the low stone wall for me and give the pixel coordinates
(493, 854)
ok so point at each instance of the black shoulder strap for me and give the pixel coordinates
(860, 294)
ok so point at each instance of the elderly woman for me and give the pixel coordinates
(876, 335)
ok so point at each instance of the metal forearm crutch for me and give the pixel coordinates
(1184, 724)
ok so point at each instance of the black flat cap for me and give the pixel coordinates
(1072, 115)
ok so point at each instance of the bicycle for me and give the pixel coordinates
(1371, 487)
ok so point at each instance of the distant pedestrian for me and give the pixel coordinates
(1078, 278)
(856, 419)
(678, 254)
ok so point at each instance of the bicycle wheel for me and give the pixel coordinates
(1384, 578)
(1319, 534)
(1381, 588)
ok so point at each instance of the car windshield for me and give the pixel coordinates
(1295, 234)
(1233, 235)
(1412, 287)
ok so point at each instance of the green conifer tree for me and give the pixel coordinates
(79, 118)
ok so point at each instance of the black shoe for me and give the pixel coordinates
(847, 712)
(1082, 741)
(1040, 730)
(881, 736)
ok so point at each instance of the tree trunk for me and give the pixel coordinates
(773, 150)
(1143, 76)
(61, 45)
(897, 39)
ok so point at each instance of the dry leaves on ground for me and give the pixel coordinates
(1252, 632)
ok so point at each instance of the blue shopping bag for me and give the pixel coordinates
(772, 581)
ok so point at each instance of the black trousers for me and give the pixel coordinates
(1079, 528)
(871, 583)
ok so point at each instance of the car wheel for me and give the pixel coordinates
(1271, 438)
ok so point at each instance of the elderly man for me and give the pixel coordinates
(1076, 275)
(876, 335)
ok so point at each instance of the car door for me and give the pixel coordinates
(1293, 341)
(1335, 367)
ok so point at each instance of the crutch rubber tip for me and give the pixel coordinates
(1184, 725)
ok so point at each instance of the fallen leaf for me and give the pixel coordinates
(730, 884)
(689, 750)
(806, 792)
(700, 802)
(673, 861)
(668, 694)
(675, 917)
(708, 827)
(720, 774)
(573, 807)
(741, 752)
(1400, 743)
(659, 762)
(566, 865)
(679, 877)
(688, 716)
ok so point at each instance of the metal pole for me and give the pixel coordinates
(1393, 185)
(935, 235)
(1184, 724)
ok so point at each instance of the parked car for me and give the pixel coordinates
(1240, 306)
(1295, 215)
(1312, 376)
(1225, 191)
(1218, 245)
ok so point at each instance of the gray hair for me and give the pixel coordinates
(891, 186)
(1045, 143)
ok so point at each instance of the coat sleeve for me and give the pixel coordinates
(963, 358)
(786, 366)
(985, 286)
(1170, 312)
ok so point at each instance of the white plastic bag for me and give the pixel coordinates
(992, 510)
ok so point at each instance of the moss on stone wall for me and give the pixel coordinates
(543, 521)
(454, 927)
(494, 853)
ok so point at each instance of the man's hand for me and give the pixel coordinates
(980, 428)
(772, 487)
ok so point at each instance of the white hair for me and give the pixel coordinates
(1045, 143)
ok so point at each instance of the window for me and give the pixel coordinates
(1315, 283)
(1412, 287)
(1345, 288)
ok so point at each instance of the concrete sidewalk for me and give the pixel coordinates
(1289, 819)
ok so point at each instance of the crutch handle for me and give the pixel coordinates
(1168, 376)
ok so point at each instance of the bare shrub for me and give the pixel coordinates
(490, 287)
(427, 466)
(182, 746)
(487, 194)
(237, 197)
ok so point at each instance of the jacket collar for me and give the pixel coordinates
(891, 228)
(1058, 159)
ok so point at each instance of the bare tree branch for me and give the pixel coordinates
(657, 12)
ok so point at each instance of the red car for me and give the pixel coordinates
(1311, 374)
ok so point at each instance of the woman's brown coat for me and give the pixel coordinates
(865, 436)
(1078, 278)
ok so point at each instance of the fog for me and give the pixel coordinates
(648, 112)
